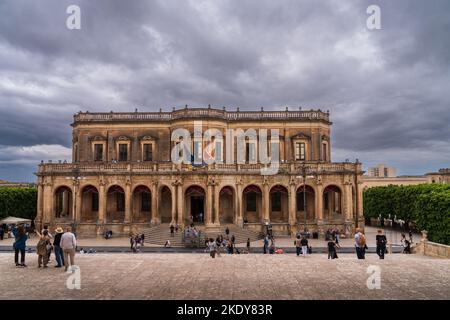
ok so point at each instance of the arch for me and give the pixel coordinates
(115, 204)
(165, 204)
(305, 194)
(332, 202)
(278, 204)
(252, 204)
(227, 197)
(63, 203)
(141, 204)
(89, 204)
(195, 201)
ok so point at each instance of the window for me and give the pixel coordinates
(218, 151)
(251, 201)
(300, 151)
(148, 152)
(120, 201)
(250, 152)
(98, 152)
(198, 151)
(145, 201)
(276, 201)
(94, 201)
(123, 152)
(300, 202)
(324, 151)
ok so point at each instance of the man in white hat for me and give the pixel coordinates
(59, 255)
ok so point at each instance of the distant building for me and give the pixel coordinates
(8, 184)
(382, 171)
(442, 176)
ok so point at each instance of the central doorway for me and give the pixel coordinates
(195, 204)
(197, 208)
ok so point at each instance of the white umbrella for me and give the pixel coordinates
(14, 220)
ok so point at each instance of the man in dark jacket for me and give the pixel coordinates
(59, 256)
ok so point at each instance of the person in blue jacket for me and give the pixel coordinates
(19, 245)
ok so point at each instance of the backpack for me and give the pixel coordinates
(362, 240)
(41, 247)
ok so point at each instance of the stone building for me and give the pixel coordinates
(122, 178)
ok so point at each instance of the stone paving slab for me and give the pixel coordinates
(250, 276)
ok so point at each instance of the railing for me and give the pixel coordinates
(202, 113)
(150, 167)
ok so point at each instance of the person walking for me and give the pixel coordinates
(332, 249)
(381, 244)
(360, 244)
(68, 244)
(19, 245)
(59, 256)
(172, 228)
(266, 244)
(304, 243)
(298, 245)
(43, 247)
(212, 248)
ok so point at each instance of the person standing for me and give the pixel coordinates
(43, 247)
(360, 244)
(172, 228)
(248, 245)
(19, 245)
(68, 244)
(298, 245)
(2, 232)
(332, 249)
(266, 244)
(142, 239)
(227, 231)
(59, 256)
(212, 248)
(381, 244)
(410, 236)
(304, 243)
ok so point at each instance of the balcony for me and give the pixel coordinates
(189, 113)
(95, 168)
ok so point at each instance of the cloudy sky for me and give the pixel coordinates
(388, 90)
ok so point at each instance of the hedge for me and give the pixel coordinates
(18, 202)
(428, 205)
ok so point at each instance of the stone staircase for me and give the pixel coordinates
(159, 234)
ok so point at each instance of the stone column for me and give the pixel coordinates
(266, 195)
(173, 194)
(208, 214)
(319, 202)
(128, 199)
(48, 203)
(76, 202)
(348, 201)
(154, 190)
(180, 204)
(101, 203)
(292, 206)
(216, 204)
(238, 205)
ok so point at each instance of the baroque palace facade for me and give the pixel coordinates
(121, 177)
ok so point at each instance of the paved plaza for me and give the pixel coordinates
(245, 276)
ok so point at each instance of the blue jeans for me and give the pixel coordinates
(299, 249)
(59, 255)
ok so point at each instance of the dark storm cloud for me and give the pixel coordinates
(388, 90)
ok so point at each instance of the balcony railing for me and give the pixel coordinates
(202, 113)
(168, 167)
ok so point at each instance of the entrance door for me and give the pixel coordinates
(197, 208)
